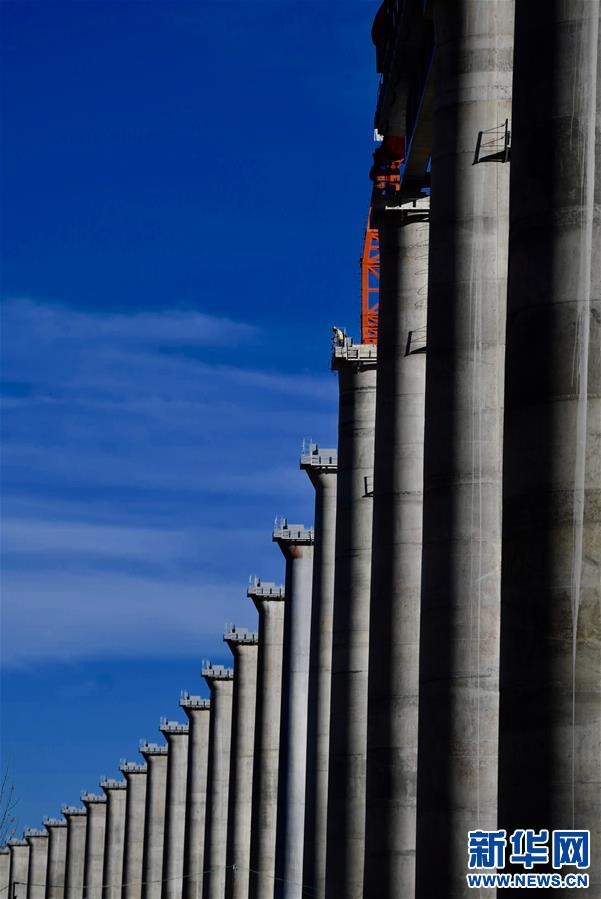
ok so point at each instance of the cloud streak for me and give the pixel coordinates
(142, 470)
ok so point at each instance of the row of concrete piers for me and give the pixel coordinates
(432, 664)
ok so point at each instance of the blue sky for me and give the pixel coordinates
(185, 188)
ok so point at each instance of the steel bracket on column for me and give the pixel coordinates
(493, 145)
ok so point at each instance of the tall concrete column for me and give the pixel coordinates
(244, 646)
(95, 835)
(176, 735)
(296, 544)
(221, 684)
(198, 711)
(393, 683)
(550, 715)
(154, 818)
(77, 823)
(57, 857)
(356, 367)
(135, 818)
(19, 868)
(38, 862)
(114, 843)
(5, 870)
(268, 599)
(320, 465)
(461, 558)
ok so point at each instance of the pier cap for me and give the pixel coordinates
(72, 811)
(346, 351)
(111, 783)
(313, 457)
(168, 728)
(148, 749)
(258, 589)
(31, 833)
(92, 798)
(216, 672)
(239, 635)
(187, 701)
(55, 822)
(132, 767)
(17, 841)
(291, 533)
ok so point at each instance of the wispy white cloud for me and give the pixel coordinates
(142, 470)
(73, 615)
(48, 322)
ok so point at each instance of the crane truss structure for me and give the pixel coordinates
(370, 284)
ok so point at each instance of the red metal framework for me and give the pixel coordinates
(370, 284)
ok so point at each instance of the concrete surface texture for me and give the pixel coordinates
(269, 601)
(38, 863)
(176, 735)
(114, 843)
(321, 468)
(356, 367)
(396, 553)
(136, 775)
(95, 837)
(19, 868)
(77, 822)
(221, 684)
(4, 868)
(550, 716)
(154, 819)
(57, 857)
(296, 544)
(244, 647)
(198, 711)
(461, 561)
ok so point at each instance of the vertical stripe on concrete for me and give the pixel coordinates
(320, 465)
(356, 366)
(176, 735)
(136, 775)
(550, 717)
(116, 797)
(391, 791)
(268, 598)
(220, 681)
(198, 711)
(296, 543)
(154, 819)
(95, 834)
(77, 821)
(57, 857)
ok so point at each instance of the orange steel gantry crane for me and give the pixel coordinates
(386, 175)
(370, 284)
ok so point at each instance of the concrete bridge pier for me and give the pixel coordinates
(135, 815)
(77, 823)
(393, 683)
(19, 868)
(155, 756)
(96, 805)
(221, 683)
(296, 543)
(176, 735)
(38, 862)
(356, 367)
(268, 598)
(114, 843)
(321, 466)
(244, 646)
(57, 857)
(198, 711)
